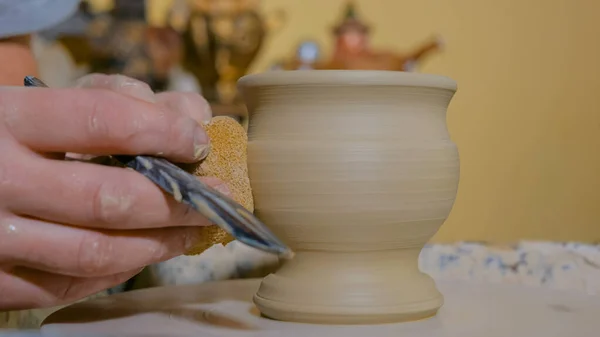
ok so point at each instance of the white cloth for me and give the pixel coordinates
(20, 17)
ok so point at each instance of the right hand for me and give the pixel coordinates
(69, 229)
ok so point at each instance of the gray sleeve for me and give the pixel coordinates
(20, 17)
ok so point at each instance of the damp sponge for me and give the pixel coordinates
(228, 161)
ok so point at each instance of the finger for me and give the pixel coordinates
(94, 195)
(82, 252)
(99, 121)
(118, 83)
(187, 103)
(24, 288)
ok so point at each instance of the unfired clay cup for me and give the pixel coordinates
(355, 170)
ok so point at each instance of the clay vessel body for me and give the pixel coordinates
(356, 171)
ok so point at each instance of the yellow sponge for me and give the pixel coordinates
(228, 161)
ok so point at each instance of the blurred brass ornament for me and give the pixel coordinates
(221, 40)
(352, 50)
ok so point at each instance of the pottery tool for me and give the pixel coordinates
(186, 188)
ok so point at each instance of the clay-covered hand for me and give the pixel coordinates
(69, 229)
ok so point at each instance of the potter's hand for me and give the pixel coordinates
(69, 229)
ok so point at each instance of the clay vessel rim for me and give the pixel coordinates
(347, 77)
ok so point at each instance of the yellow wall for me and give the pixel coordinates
(527, 115)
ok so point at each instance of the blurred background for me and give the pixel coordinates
(526, 117)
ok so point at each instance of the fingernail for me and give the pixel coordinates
(201, 144)
(223, 189)
(201, 151)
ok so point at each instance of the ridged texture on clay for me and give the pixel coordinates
(355, 171)
(227, 161)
